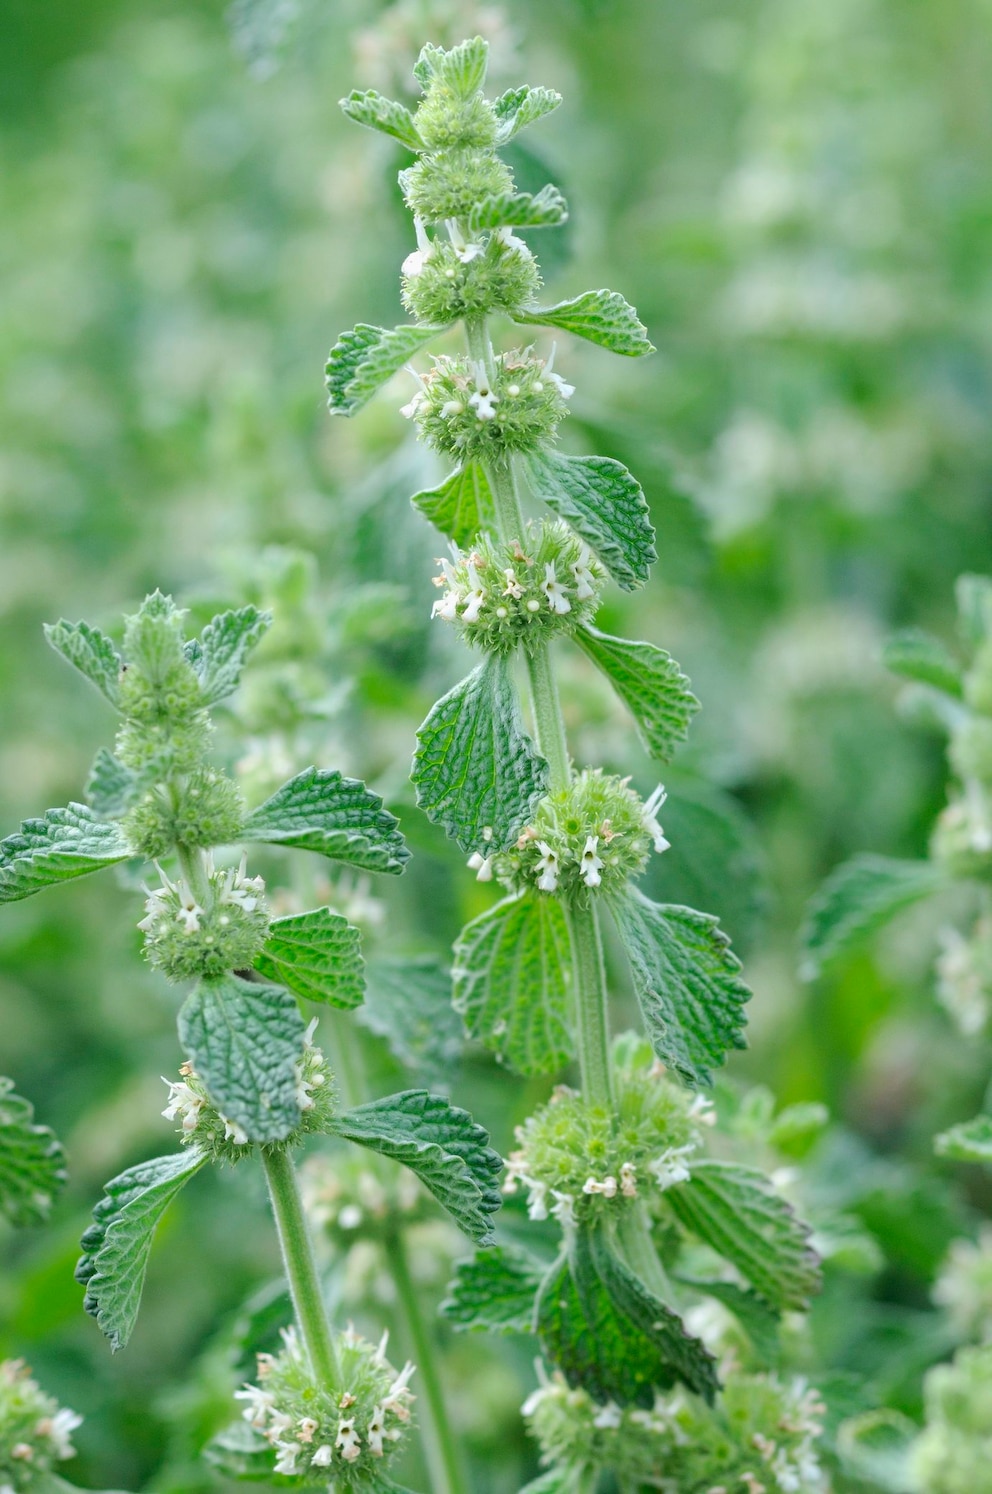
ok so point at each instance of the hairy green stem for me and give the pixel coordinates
(549, 725)
(301, 1268)
(440, 1448)
(592, 1028)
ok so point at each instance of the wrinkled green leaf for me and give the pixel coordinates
(317, 955)
(603, 503)
(650, 684)
(91, 652)
(363, 359)
(377, 113)
(520, 107)
(245, 1039)
(544, 209)
(687, 982)
(226, 643)
(442, 1144)
(476, 771)
(495, 1291)
(511, 975)
(63, 844)
(857, 899)
(969, 1142)
(600, 316)
(320, 810)
(239, 1451)
(117, 1244)
(110, 787)
(461, 506)
(462, 68)
(736, 1210)
(408, 1002)
(759, 1321)
(919, 656)
(32, 1163)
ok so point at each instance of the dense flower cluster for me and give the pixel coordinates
(445, 279)
(204, 809)
(471, 413)
(186, 939)
(166, 726)
(575, 1158)
(962, 836)
(964, 1287)
(964, 976)
(34, 1430)
(525, 592)
(954, 1453)
(322, 1434)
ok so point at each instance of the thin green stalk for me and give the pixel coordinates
(301, 1268)
(443, 1462)
(634, 1239)
(549, 725)
(592, 1028)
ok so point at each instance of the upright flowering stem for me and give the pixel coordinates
(592, 1031)
(301, 1268)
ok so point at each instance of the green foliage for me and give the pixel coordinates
(32, 1163)
(601, 316)
(544, 209)
(604, 504)
(91, 651)
(63, 844)
(520, 107)
(494, 1292)
(969, 1142)
(377, 113)
(759, 1320)
(650, 684)
(919, 656)
(110, 787)
(408, 1002)
(320, 810)
(858, 898)
(362, 360)
(317, 955)
(461, 506)
(221, 653)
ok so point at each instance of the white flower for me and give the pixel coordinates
(548, 867)
(608, 1187)
(583, 576)
(183, 1103)
(279, 1423)
(564, 1207)
(608, 1417)
(670, 1167)
(399, 1394)
(509, 238)
(414, 263)
(451, 407)
(348, 1442)
(703, 1110)
(554, 591)
(190, 912)
(565, 390)
(482, 866)
(483, 401)
(465, 249)
(537, 1207)
(322, 1457)
(513, 587)
(628, 1185)
(62, 1424)
(446, 607)
(239, 890)
(260, 1403)
(307, 1428)
(590, 863)
(475, 596)
(649, 819)
(233, 1132)
(155, 907)
(288, 1454)
(374, 1431)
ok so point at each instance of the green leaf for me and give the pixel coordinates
(511, 975)
(117, 1244)
(319, 810)
(687, 983)
(317, 955)
(65, 843)
(974, 599)
(736, 1211)
(32, 1163)
(544, 209)
(919, 656)
(969, 1142)
(556, 1481)
(245, 1040)
(463, 68)
(520, 107)
(461, 506)
(759, 1321)
(227, 640)
(496, 1291)
(377, 113)
(651, 685)
(476, 771)
(239, 1452)
(110, 787)
(604, 504)
(363, 359)
(91, 652)
(877, 1446)
(600, 316)
(443, 1145)
(408, 1002)
(856, 900)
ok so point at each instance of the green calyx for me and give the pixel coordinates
(466, 413)
(525, 592)
(186, 938)
(451, 183)
(34, 1431)
(447, 280)
(203, 809)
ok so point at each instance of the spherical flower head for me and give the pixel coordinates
(342, 1435)
(207, 811)
(447, 121)
(349, 1201)
(587, 839)
(954, 1453)
(185, 938)
(962, 837)
(521, 593)
(964, 1286)
(447, 280)
(34, 1431)
(450, 183)
(158, 679)
(464, 414)
(578, 1160)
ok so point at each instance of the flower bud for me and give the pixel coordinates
(452, 182)
(208, 811)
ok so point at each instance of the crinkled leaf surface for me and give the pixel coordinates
(856, 899)
(63, 844)
(225, 645)
(91, 652)
(919, 656)
(969, 1142)
(476, 771)
(600, 316)
(110, 787)
(32, 1163)
(603, 503)
(736, 1210)
(687, 982)
(461, 506)
(512, 974)
(651, 685)
(408, 1002)
(378, 113)
(520, 107)
(245, 1039)
(495, 1291)
(442, 1144)
(320, 810)
(544, 209)
(363, 359)
(317, 955)
(462, 68)
(117, 1244)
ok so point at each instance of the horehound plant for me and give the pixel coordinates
(329, 1408)
(648, 1224)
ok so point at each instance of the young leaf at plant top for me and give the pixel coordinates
(32, 1162)
(919, 656)
(969, 1142)
(858, 898)
(520, 107)
(320, 810)
(687, 983)
(110, 788)
(377, 113)
(476, 771)
(117, 1244)
(316, 955)
(245, 1040)
(650, 684)
(461, 506)
(604, 505)
(92, 653)
(362, 360)
(544, 209)
(736, 1211)
(601, 316)
(219, 656)
(496, 1291)
(63, 844)
(442, 1144)
(512, 975)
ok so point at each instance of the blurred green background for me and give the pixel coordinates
(798, 199)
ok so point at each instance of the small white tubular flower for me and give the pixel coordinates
(375, 1431)
(483, 401)
(537, 1205)
(348, 1442)
(591, 865)
(513, 587)
(703, 1110)
(60, 1429)
(239, 890)
(183, 1104)
(583, 576)
(259, 1404)
(414, 263)
(446, 607)
(234, 1132)
(474, 598)
(649, 819)
(511, 241)
(451, 407)
(608, 1417)
(548, 866)
(399, 1394)
(482, 866)
(190, 912)
(322, 1457)
(155, 907)
(466, 249)
(412, 409)
(565, 390)
(628, 1184)
(563, 1208)
(288, 1454)
(608, 1187)
(554, 591)
(672, 1166)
